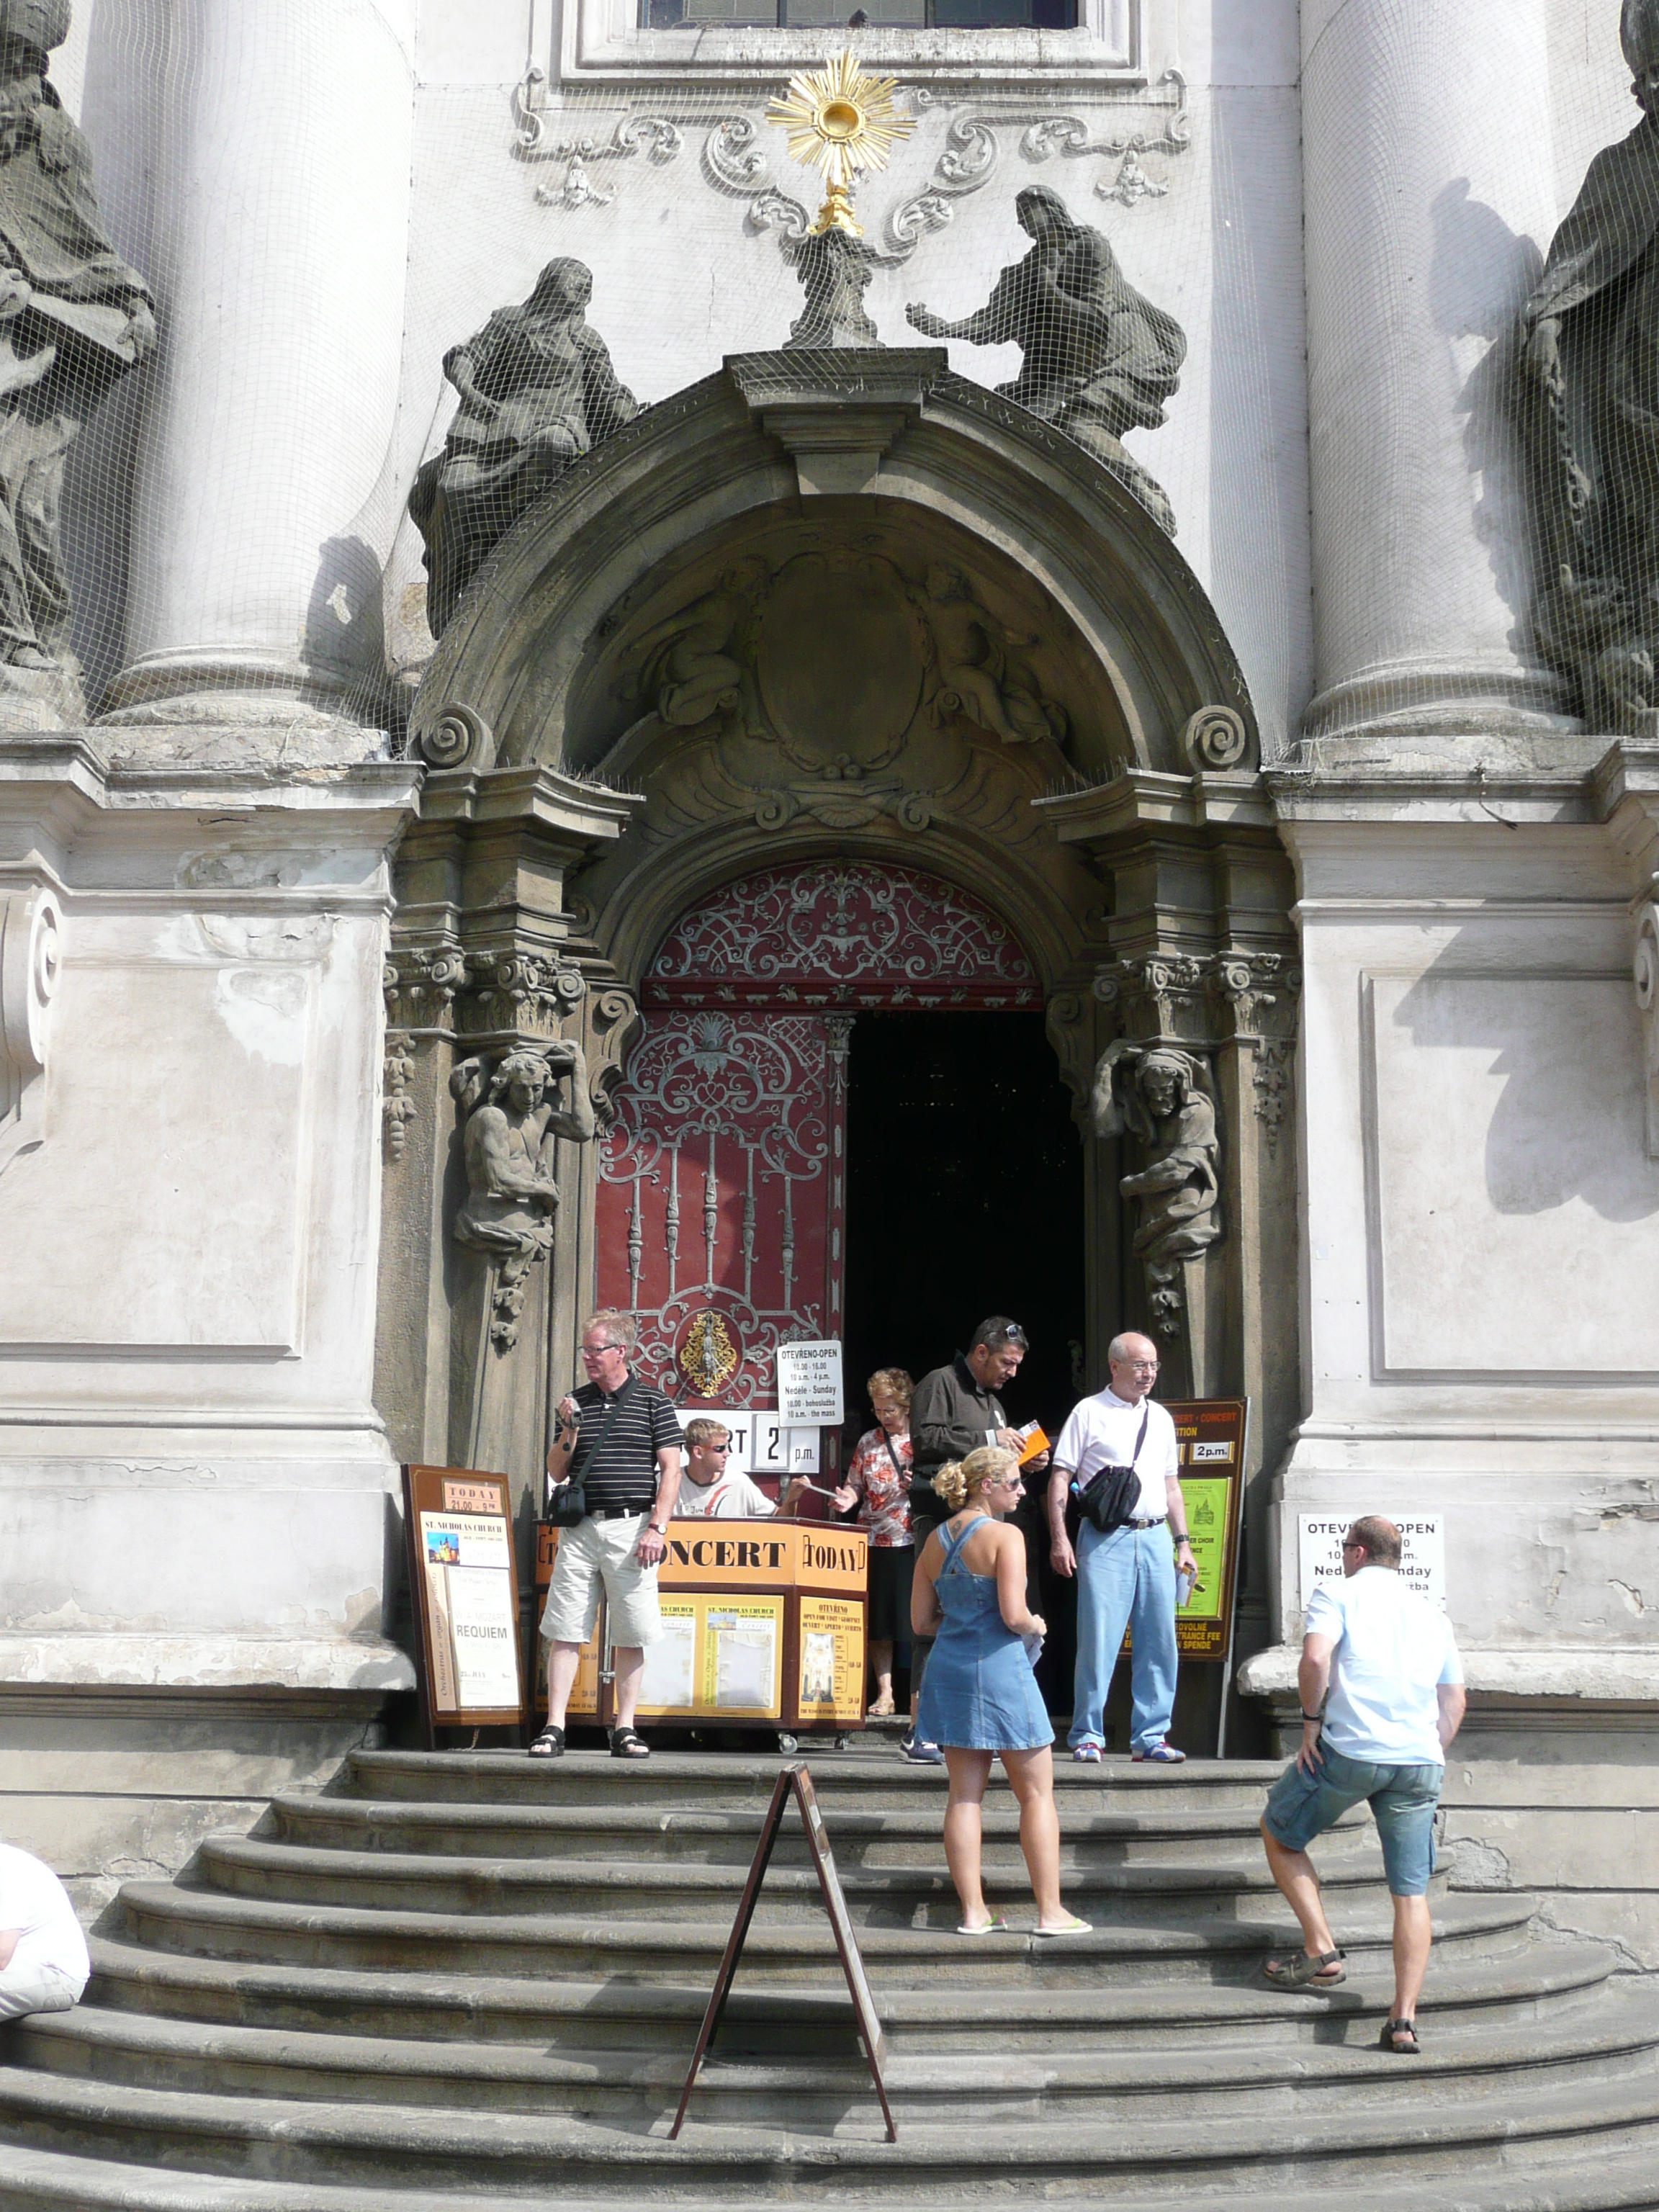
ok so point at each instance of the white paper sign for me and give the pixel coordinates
(1422, 1552)
(761, 1443)
(809, 1384)
(485, 1637)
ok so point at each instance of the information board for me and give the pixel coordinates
(1211, 1434)
(1422, 1551)
(464, 1589)
(809, 1384)
(831, 1687)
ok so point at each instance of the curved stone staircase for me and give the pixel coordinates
(465, 1978)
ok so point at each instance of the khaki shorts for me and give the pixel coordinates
(602, 1551)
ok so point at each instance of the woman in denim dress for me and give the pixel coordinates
(979, 1700)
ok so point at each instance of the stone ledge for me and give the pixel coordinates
(203, 1662)
(1600, 1676)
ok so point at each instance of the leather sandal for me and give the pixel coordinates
(550, 1744)
(624, 1744)
(1302, 1972)
(1392, 2028)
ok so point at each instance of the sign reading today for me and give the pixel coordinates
(1422, 1554)
(761, 1443)
(808, 1385)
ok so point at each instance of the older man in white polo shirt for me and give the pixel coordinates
(1126, 1577)
(43, 1954)
(1382, 1696)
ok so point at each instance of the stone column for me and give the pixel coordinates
(257, 534)
(1430, 204)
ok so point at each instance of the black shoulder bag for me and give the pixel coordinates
(1111, 1494)
(567, 1501)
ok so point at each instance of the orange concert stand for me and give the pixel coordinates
(764, 1626)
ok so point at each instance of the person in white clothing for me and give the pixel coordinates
(710, 1491)
(43, 1954)
(1382, 1695)
(1126, 1577)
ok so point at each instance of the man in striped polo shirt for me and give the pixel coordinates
(625, 1441)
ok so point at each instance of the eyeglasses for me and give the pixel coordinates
(1350, 1544)
(720, 1449)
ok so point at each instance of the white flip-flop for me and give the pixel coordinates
(1071, 1928)
(997, 1927)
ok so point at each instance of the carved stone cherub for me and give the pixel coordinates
(1162, 1096)
(514, 1122)
(975, 672)
(687, 667)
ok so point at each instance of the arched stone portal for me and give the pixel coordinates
(840, 609)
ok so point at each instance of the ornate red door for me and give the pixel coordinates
(720, 1196)
(723, 1177)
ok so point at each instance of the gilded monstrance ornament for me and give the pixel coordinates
(840, 121)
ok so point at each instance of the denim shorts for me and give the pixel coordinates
(1402, 1799)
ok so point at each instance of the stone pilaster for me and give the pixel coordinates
(489, 958)
(1430, 199)
(257, 536)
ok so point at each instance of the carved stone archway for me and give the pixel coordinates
(832, 606)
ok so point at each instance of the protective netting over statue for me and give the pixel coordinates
(402, 278)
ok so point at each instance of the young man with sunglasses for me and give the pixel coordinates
(712, 1490)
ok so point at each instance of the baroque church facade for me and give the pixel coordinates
(529, 640)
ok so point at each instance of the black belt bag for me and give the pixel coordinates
(1111, 1494)
(567, 1501)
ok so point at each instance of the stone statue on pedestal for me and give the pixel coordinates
(1099, 358)
(74, 319)
(538, 391)
(1162, 1096)
(510, 1145)
(1591, 347)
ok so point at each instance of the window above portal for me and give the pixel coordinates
(986, 45)
(882, 14)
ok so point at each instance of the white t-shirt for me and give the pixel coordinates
(1393, 1650)
(733, 1497)
(32, 1898)
(1102, 1432)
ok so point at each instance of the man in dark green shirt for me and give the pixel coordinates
(955, 1410)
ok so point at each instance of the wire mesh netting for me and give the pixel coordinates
(403, 275)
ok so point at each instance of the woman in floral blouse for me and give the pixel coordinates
(879, 1484)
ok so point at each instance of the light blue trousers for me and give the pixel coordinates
(1125, 1579)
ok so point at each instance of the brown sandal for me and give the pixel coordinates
(1393, 2028)
(1302, 1972)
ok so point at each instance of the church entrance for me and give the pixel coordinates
(964, 1198)
(841, 1117)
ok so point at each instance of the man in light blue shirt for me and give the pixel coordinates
(1381, 1696)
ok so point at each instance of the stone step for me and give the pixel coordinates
(1161, 2158)
(33, 2180)
(918, 1895)
(1470, 1985)
(169, 1917)
(895, 1836)
(689, 1780)
(1594, 2043)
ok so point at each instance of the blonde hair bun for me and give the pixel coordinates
(960, 1480)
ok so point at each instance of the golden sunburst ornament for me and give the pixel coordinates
(840, 121)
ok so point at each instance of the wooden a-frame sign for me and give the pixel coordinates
(796, 1779)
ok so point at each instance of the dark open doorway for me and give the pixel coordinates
(964, 1198)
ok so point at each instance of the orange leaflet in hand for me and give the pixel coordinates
(1034, 1442)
